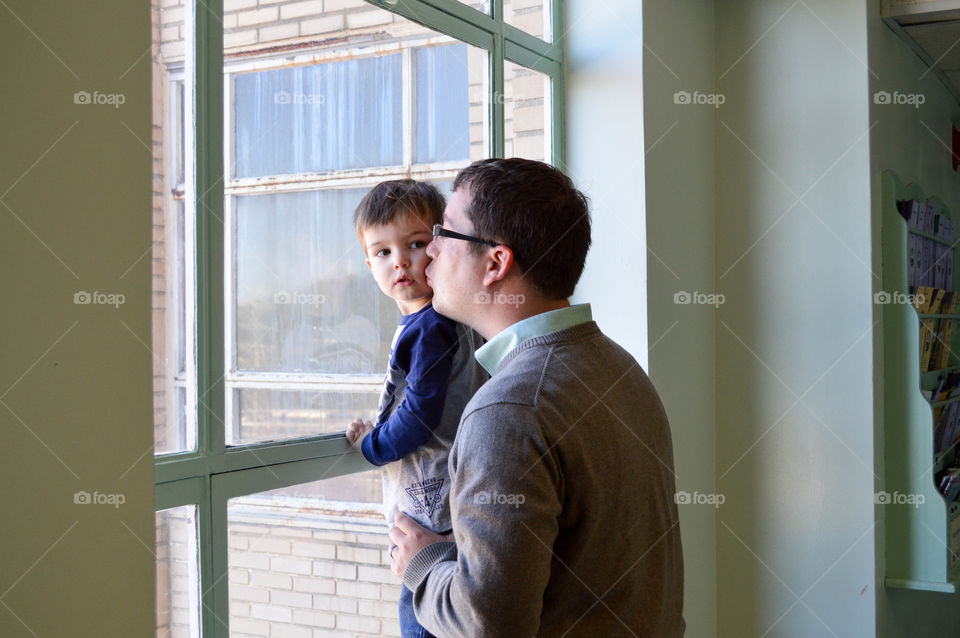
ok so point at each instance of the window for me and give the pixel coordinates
(271, 122)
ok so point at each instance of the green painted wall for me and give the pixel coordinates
(914, 142)
(76, 379)
(795, 432)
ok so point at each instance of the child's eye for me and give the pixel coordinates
(383, 252)
(418, 244)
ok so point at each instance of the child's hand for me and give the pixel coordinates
(356, 431)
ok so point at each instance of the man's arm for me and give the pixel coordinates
(505, 500)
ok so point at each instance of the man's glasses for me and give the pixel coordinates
(440, 231)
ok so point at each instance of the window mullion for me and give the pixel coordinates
(408, 101)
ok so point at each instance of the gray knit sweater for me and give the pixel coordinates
(562, 498)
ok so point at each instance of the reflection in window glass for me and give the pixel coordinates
(526, 112)
(443, 107)
(305, 300)
(312, 557)
(324, 117)
(266, 414)
(178, 582)
(532, 16)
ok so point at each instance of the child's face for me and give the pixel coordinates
(397, 257)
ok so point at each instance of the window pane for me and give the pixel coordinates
(178, 583)
(533, 16)
(443, 107)
(268, 414)
(305, 300)
(526, 110)
(312, 558)
(172, 253)
(323, 117)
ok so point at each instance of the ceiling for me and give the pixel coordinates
(932, 29)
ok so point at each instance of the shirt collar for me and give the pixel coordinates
(493, 352)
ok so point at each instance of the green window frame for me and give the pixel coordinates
(213, 473)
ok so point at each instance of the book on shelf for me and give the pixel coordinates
(930, 260)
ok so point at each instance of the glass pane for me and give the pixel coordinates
(323, 117)
(178, 582)
(312, 558)
(305, 300)
(533, 16)
(526, 112)
(172, 252)
(443, 106)
(267, 414)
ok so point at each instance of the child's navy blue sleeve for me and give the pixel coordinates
(430, 345)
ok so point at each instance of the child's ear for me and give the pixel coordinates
(367, 262)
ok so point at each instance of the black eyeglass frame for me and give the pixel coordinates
(440, 231)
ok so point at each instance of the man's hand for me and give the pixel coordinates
(356, 431)
(409, 537)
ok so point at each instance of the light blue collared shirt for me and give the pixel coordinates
(492, 352)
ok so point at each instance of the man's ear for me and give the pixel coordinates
(499, 264)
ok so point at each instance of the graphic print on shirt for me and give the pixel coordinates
(426, 495)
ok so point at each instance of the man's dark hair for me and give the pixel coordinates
(536, 210)
(388, 200)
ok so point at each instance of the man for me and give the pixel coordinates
(562, 483)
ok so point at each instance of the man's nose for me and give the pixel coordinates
(432, 249)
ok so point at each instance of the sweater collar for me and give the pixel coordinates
(493, 352)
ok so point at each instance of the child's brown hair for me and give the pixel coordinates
(388, 200)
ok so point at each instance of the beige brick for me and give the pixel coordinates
(335, 603)
(236, 541)
(290, 631)
(301, 9)
(257, 16)
(247, 559)
(239, 38)
(362, 19)
(236, 5)
(271, 612)
(376, 575)
(170, 33)
(358, 554)
(290, 565)
(270, 545)
(314, 618)
(279, 32)
(326, 24)
(390, 593)
(239, 609)
(314, 550)
(242, 592)
(338, 5)
(340, 571)
(239, 575)
(335, 535)
(171, 15)
(390, 627)
(314, 585)
(374, 539)
(358, 590)
(377, 608)
(529, 118)
(269, 580)
(247, 626)
(291, 599)
(230, 21)
(172, 50)
(358, 623)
